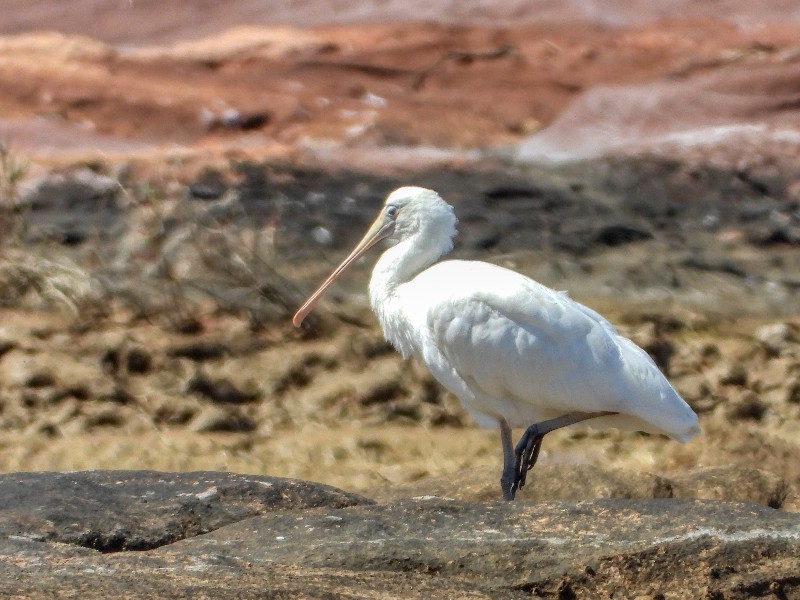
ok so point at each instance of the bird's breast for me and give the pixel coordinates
(395, 324)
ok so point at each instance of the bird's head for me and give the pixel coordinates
(414, 210)
(408, 211)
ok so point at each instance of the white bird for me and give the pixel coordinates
(516, 353)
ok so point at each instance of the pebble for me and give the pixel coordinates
(776, 337)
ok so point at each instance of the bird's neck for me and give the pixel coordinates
(398, 265)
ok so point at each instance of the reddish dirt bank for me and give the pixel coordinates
(398, 84)
(153, 21)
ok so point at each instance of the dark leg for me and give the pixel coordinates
(526, 454)
(527, 451)
(509, 461)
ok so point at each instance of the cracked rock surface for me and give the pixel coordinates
(224, 535)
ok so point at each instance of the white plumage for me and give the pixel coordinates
(515, 352)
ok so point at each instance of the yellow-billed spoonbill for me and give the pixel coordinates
(514, 351)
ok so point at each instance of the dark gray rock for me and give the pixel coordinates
(277, 538)
(502, 545)
(72, 207)
(140, 510)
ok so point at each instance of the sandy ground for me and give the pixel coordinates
(118, 362)
(324, 412)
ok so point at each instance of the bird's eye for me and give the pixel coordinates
(391, 212)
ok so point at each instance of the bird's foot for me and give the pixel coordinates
(526, 454)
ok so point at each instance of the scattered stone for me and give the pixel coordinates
(322, 236)
(657, 346)
(775, 235)
(42, 379)
(777, 337)
(110, 362)
(188, 326)
(220, 390)
(748, 406)
(6, 346)
(619, 234)
(200, 351)
(233, 119)
(793, 392)
(714, 266)
(135, 361)
(222, 420)
(119, 395)
(77, 391)
(710, 352)
(211, 185)
(773, 373)
(107, 417)
(734, 374)
(503, 192)
(694, 387)
(139, 361)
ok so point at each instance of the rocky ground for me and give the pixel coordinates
(214, 535)
(170, 195)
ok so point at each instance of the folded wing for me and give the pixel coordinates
(509, 346)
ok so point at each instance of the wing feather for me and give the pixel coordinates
(507, 345)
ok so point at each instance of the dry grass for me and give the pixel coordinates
(177, 256)
(37, 282)
(355, 458)
(28, 277)
(13, 168)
